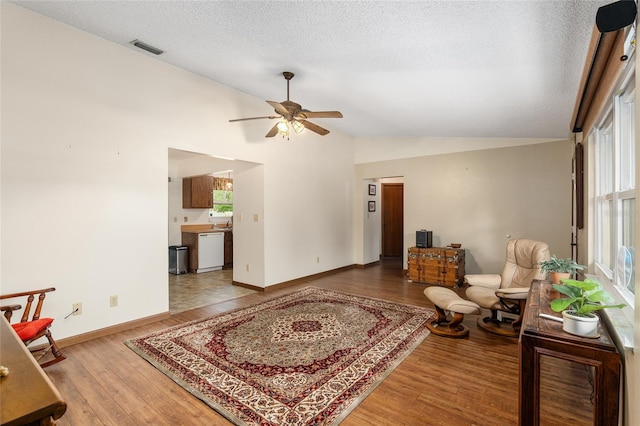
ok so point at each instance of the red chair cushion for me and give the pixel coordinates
(30, 329)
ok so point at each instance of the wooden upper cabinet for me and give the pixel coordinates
(197, 192)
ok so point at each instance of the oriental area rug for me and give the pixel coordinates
(307, 358)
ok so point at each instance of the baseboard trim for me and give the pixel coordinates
(367, 265)
(296, 281)
(245, 285)
(85, 337)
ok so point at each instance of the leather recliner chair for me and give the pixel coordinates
(508, 291)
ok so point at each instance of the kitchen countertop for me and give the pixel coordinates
(200, 229)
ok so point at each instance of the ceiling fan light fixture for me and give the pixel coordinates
(283, 128)
(297, 126)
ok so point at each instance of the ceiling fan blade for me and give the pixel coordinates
(322, 114)
(280, 109)
(272, 132)
(254, 118)
(314, 127)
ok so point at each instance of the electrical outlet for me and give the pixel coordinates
(175, 219)
(318, 259)
(186, 219)
(77, 308)
(247, 267)
(113, 301)
(256, 217)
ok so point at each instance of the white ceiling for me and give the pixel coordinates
(501, 68)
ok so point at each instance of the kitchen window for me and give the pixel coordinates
(222, 198)
(222, 201)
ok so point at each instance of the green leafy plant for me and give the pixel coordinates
(559, 264)
(583, 297)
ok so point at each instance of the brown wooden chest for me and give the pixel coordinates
(436, 265)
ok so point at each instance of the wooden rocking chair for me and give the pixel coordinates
(30, 330)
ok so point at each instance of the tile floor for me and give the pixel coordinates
(189, 291)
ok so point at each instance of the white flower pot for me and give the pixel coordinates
(586, 326)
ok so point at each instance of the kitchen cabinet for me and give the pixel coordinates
(190, 239)
(228, 249)
(197, 192)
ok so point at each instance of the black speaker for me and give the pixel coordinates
(615, 16)
(424, 239)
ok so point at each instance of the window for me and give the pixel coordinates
(615, 192)
(222, 197)
(222, 201)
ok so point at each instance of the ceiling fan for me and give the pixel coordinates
(292, 115)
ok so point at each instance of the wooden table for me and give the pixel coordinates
(27, 396)
(541, 336)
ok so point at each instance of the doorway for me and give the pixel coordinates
(392, 218)
(189, 291)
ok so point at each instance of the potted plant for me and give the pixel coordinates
(560, 268)
(584, 297)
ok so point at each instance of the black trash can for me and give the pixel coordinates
(178, 260)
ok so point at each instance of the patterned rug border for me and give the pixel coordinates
(413, 344)
(215, 406)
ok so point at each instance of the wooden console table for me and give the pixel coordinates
(27, 396)
(542, 337)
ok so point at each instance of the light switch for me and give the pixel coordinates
(255, 217)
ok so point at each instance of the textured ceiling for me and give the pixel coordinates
(394, 68)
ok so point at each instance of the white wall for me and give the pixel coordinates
(478, 198)
(372, 224)
(308, 207)
(86, 128)
(248, 233)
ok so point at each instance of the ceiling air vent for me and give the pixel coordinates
(147, 47)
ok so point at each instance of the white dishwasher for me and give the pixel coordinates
(210, 251)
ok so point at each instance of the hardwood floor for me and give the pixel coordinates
(444, 381)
